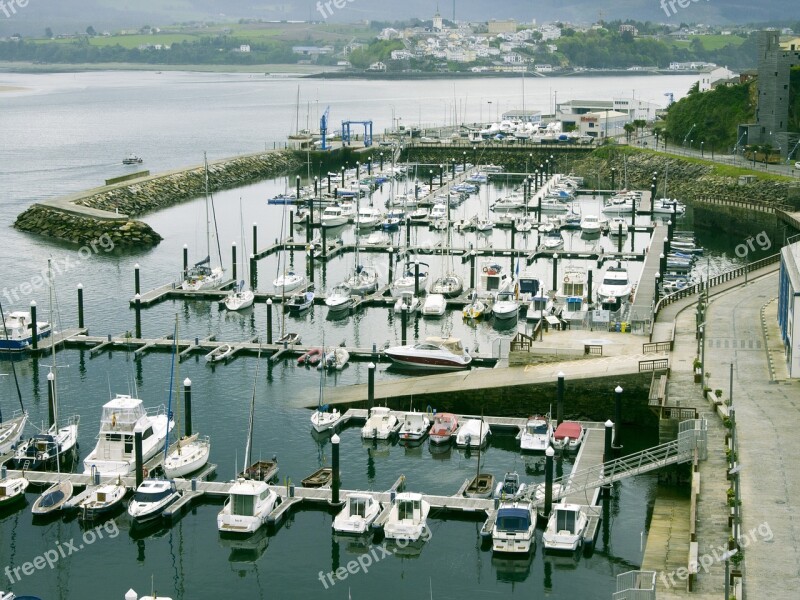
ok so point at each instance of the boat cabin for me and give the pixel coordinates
(357, 506)
(513, 519)
(566, 518)
(410, 508)
(245, 498)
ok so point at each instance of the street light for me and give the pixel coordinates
(727, 557)
(701, 149)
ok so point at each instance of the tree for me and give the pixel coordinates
(90, 31)
(48, 33)
(629, 129)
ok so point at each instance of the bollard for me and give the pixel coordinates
(335, 467)
(136, 281)
(403, 324)
(80, 305)
(34, 326)
(589, 288)
(472, 269)
(269, 320)
(185, 261)
(609, 426)
(548, 480)
(51, 398)
(137, 448)
(416, 278)
(255, 237)
(233, 261)
(618, 417)
(371, 384)
(560, 399)
(138, 307)
(619, 238)
(187, 405)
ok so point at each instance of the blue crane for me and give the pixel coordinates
(323, 129)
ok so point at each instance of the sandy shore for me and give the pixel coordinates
(11, 88)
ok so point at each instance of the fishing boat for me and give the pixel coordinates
(380, 425)
(615, 290)
(132, 159)
(408, 518)
(99, 501)
(320, 478)
(473, 433)
(299, 303)
(12, 490)
(407, 301)
(514, 528)
(480, 486)
(565, 528)
(122, 417)
(415, 427)
(16, 335)
(568, 435)
(434, 306)
(536, 435)
(202, 275)
(53, 498)
(220, 353)
(323, 419)
(151, 499)
(510, 487)
(444, 427)
(358, 515)
(435, 353)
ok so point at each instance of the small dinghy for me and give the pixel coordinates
(319, 478)
(53, 498)
(480, 486)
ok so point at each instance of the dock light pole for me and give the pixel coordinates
(336, 482)
(137, 449)
(702, 355)
(358, 170)
(403, 327)
(233, 260)
(662, 262)
(269, 320)
(617, 417)
(560, 399)
(453, 161)
(555, 271)
(185, 261)
(136, 280)
(381, 156)
(655, 291)
(187, 405)
(666, 245)
(465, 160)
(727, 557)
(416, 278)
(548, 480)
(297, 187)
(253, 271)
(609, 426)
(51, 394)
(430, 180)
(553, 164)
(255, 236)
(613, 178)
(441, 175)
(80, 305)
(391, 264)
(701, 150)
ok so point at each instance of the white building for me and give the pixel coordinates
(789, 306)
(545, 68)
(710, 75)
(603, 124)
(636, 109)
(377, 66)
(244, 48)
(401, 55)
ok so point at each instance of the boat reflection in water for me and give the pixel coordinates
(512, 568)
(246, 549)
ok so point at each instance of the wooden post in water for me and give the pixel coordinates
(336, 482)
(187, 405)
(560, 399)
(80, 305)
(138, 306)
(34, 326)
(51, 398)
(137, 449)
(233, 261)
(269, 320)
(548, 480)
(136, 280)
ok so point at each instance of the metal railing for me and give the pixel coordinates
(656, 364)
(751, 206)
(636, 585)
(656, 347)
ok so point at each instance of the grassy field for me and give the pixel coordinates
(710, 42)
(28, 67)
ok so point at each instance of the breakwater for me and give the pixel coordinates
(112, 209)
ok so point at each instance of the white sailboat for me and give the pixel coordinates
(240, 297)
(323, 419)
(287, 280)
(11, 430)
(202, 275)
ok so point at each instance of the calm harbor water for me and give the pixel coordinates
(65, 133)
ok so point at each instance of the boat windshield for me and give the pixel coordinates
(242, 505)
(407, 509)
(513, 520)
(565, 520)
(151, 496)
(358, 507)
(615, 280)
(537, 427)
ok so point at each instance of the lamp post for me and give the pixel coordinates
(727, 557)
(555, 271)
(701, 150)
(465, 161)
(613, 178)
(655, 297)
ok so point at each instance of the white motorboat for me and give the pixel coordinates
(509, 203)
(434, 306)
(368, 217)
(536, 435)
(407, 300)
(340, 298)
(565, 528)
(409, 282)
(616, 288)
(100, 500)
(568, 436)
(358, 514)
(299, 303)
(510, 487)
(573, 284)
(121, 419)
(540, 306)
(666, 206)
(380, 425)
(408, 518)
(132, 159)
(505, 306)
(514, 528)
(191, 454)
(591, 224)
(249, 504)
(621, 204)
(415, 426)
(289, 282)
(16, 334)
(444, 427)
(618, 227)
(12, 490)
(438, 211)
(53, 498)
(473, 433)
(553, 205)
(449, 286)
(220, 353)
(151, 499)
(434, 353)
(333, 216)
(239, 298)
(335, 360)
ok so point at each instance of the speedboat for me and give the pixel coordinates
(568, 435)
(12, 490)
(340, 298)
(480, 486)
(449, 286)
(121, 419)
(565, 528)
(414, 427)
(408, 518)
(288, 282)
(190, 454)
(299, 303)
(324, 420)
(509, 203)
(358, 514)
(249, 504)
(510, 487)
(99, 501)
(220, 353)
(615, 289)
(53, 498)
(505, 306)
(132, 159)
(444, 426)
(17, 333)
(473, 433)
(553, 205)
(536, 435)
(151, 499)
(514, 528)
(591, 224)
(333, 216)
(380, 425)
(434, 306)
(239, 298)
(408, 301)
(434, 353)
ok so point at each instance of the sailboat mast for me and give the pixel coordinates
(208, 217)
(171, 379)
(249, 448)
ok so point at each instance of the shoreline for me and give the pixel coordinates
(286, 70)
(12, 88)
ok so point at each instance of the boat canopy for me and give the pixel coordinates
(566, 519)
(122, 414)
(568, 430)
(513, 519)
(452, 344)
